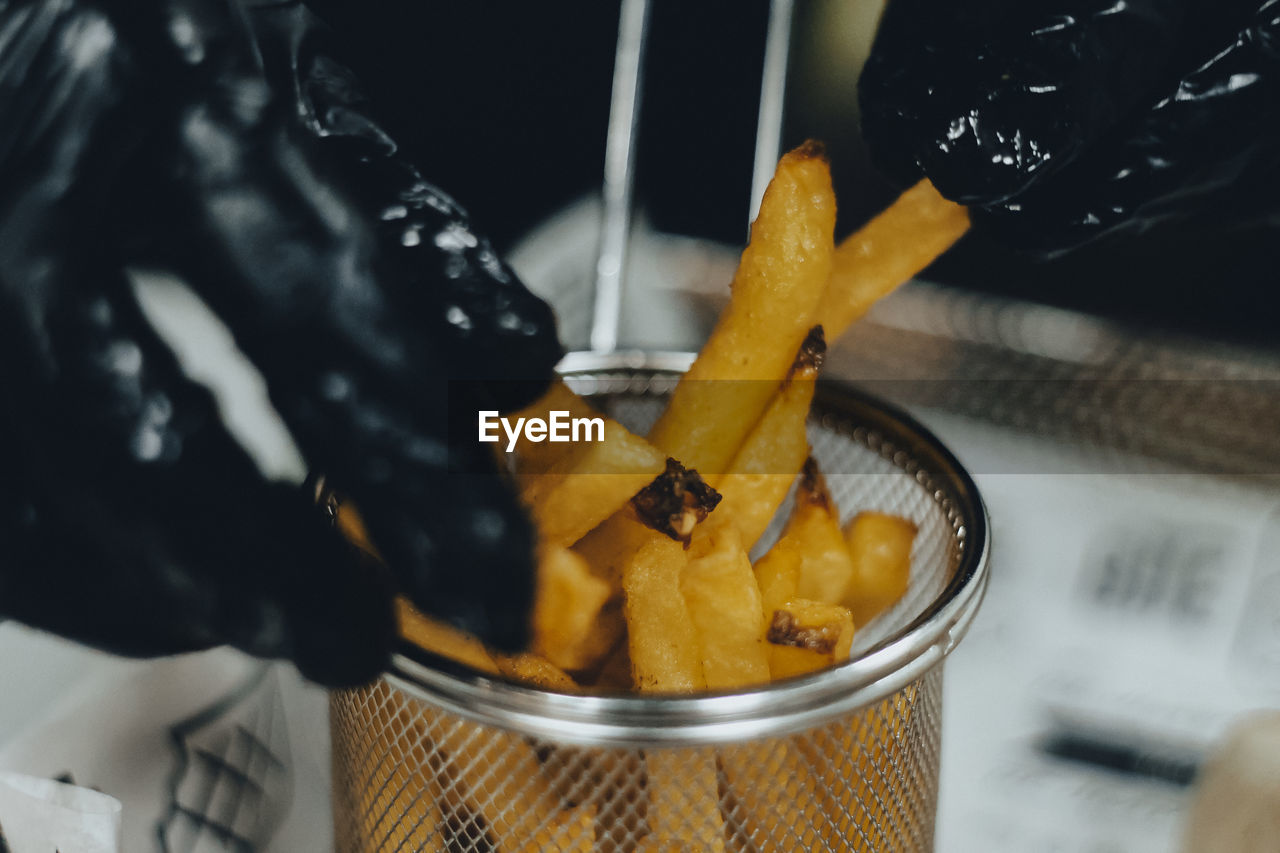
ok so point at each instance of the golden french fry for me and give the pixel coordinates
(778, 285)
(826, 569)
(777, 798)
(386, 776)
(607, 634)
(724, 602)
(608, 546)
(591, 483)
(536, 671)
(856, 806)
(778, 575)
(684, 801)
(897, 244)
(443, 639)
(880, 546)
(810, 560)
(661, 638)
(764, 468)
(568, 604)
(805, 636)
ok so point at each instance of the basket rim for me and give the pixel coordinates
(778, 708)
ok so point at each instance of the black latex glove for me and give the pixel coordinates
(229, 145)
(1059, 122)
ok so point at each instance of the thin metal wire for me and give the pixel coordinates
(619, 175)
(773, 86)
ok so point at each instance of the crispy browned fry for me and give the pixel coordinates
(775, 292)
(589, 484)
(764, 468)
(826, 569)
(675, 502)
(661, 637)
(880, 546)
(536, 671)
(666, 505)
(724, 602)
(805, 636)
(904, 239)
(567, 607)
(684, 801)
(443, 639)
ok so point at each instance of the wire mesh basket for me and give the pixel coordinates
(432, 758)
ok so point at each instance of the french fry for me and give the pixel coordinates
(775, 292)
(536, 671)
(778, 575)
(568, 605)
(805, 636)
(608, 546)
(724, 602)
(764, 468)
(607, 634)
(589, 484)
(391, 796)
(777, 798)
(619, 795)
(684, 802)
(894, 246)
(880, 546)
(615, 672)
(443, 639)
(826, 569)
(661, 638)
(671, 505)
(496, 775)
(855, 805)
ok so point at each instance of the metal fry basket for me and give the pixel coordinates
(435, 759)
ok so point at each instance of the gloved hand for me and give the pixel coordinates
(231, 146)
(1063, 121)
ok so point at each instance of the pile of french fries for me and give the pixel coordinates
(644, 578)
(644, 581)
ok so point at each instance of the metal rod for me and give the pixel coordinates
(773, 86)
(619, 175)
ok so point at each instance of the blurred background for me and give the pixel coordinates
(505, 106)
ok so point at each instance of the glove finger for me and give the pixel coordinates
(488, 325)
(117, 441)
(115, 438)
(986, 98)
(1216, 132)
(271, 238)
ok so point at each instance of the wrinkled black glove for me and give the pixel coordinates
(230, 145)
(1063, 121)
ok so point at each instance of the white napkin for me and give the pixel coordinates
(43, 816)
